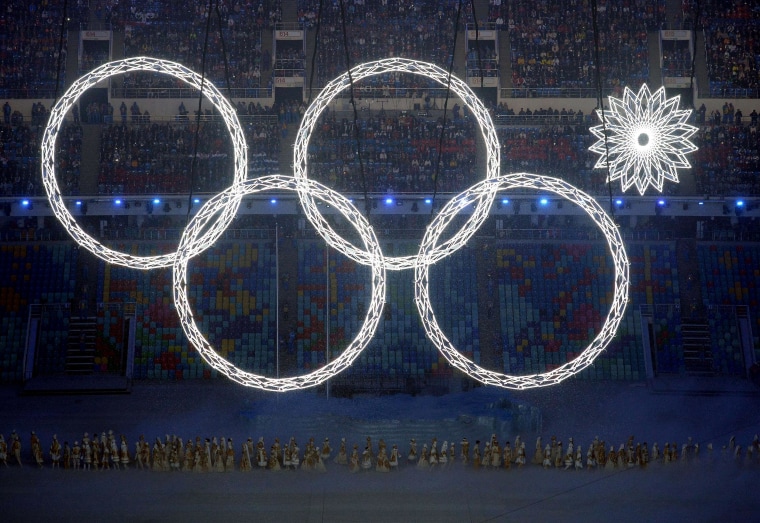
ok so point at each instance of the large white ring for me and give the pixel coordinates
(432, 71)
(210, 221)
(61, 108)
(227, 198)
(476, 193)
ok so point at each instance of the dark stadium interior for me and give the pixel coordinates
(90, 344)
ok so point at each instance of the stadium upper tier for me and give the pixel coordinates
(551, 44)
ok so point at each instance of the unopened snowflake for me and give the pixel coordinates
(647, 139)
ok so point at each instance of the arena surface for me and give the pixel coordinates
(712, 487)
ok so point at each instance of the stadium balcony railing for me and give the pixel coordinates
(550, 92)
(161, 92)
(539, 119)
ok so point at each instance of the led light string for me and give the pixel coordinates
(200, 222)
(198, 114)
(600, 98)
(58, 65)
(404, 65)
(314, 53)
(55, 122)
(695, 28)
(648, 137)
(218, 212)
(445, 108)
(352, 101)
(477, 42)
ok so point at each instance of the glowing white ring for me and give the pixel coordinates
(476, 193)
(388, 65)
(199, 235)
(55, 122)
(198, 224)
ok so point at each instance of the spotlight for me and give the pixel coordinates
(273, 201)
(389, 201)
(619, 202)
(701, 203)
(78, 203)
(428, 201)
(544, 201)
(196, 200)
(117, 201)
(505, 201)
(26, 203)
(661, 203)
(156, 201)
(740, 203)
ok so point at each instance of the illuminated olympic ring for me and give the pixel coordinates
(228, 197)
(55, 122)
(404, 65)
(216, 214)
(477, 192)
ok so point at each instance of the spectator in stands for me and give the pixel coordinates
(135, 111)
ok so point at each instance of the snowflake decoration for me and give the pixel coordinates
(647, 139)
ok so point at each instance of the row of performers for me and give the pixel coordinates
(219, 455)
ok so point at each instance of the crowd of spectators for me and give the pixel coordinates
(158, 157)
(399, 153)
(676, 58)
(506, 115)
(552, 42)
(30, 33)
(732, 45)
(289, 62)
(377, 29)
(728, 160)
(553, 150)
(20, 159)
(177, 31)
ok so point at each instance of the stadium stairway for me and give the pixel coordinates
(697, 353)
(655, 71)
(289, 12)
(288, 289)
(88, 180)
(491, 353)
(505, 61)
(689, 277)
